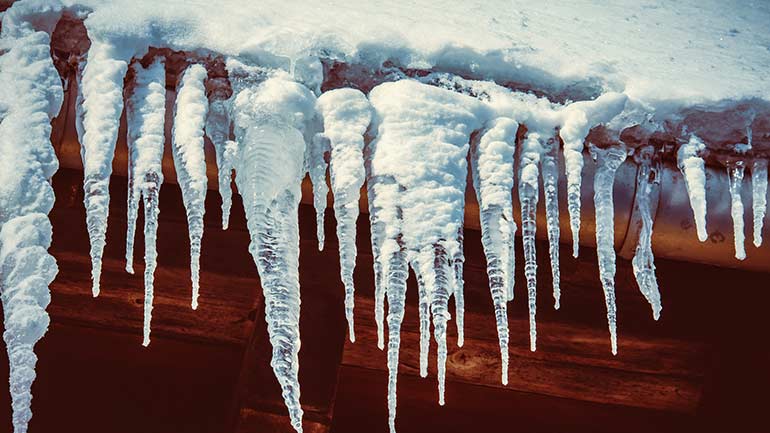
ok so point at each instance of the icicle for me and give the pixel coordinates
(735, 175)
(269, 120)
(346, 115)
(759, 193)
(317, 150)
(579, 118)
(690, 162)
(395, 272)
(189, 162)
(607, 162)
(423, 309)
(218, 131)
(550, 172)
(417, 171)
(458, 260)
(30, 96)
(531, 152)
(99, 107)
(145, 117)
(644, 261)
(492, 155)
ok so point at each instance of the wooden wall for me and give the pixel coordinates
(702, 367)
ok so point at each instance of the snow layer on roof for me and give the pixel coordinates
(689, 51)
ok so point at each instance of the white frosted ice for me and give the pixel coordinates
(417, 172)
(346, 115)
(190, 112)
(759, 197)
(100, 104)
(145, 118)
(735, 177)
(693, 168)
(607, 162)
(269, 122)
(492, 160)
(644, 261)
(30, 96)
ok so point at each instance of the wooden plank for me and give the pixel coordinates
(361, 407)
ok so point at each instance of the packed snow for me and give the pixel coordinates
(516, 84)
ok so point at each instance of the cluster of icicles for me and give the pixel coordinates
(408, 141)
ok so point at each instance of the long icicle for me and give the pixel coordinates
(690, 162)
(218, 131)
(99, 107)
(145, 118)
(269, 125)
(423, 311)
(735, 177)
(607, 162)
(189, 162)
(550, 173)
(395, 273)
(492, 160)
(759, 197)
(31, 95)
(644, 261)
(346, 115)
(317, 151)
(529, 162)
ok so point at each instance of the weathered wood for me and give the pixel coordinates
(361, 407)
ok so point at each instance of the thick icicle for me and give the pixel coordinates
(607, 162)
(218, 131)
(100, 104)
(690, 162)
(269, 121)
(30, 96)
(145, 117)
(531, 151)
(550, 172)
(318, 148)
(759, 195)
(644, 261)
(346, 115)
(189, 162)
(418, 169)
(735, 175)
(492, 159)
(578, 120)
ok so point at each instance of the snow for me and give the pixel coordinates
(187, 137)
(145, 117)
